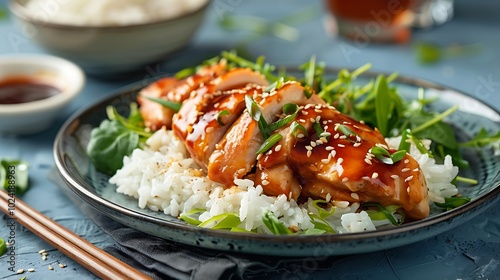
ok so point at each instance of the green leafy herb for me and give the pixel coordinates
(176, 106)
(382, 104)
(14, 173)
(273, 224)
(3, 14)
(116, 138)
(385, 156)
(453, 202)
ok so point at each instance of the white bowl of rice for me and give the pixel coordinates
(110, 36)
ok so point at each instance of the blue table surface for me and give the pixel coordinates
(471, 251)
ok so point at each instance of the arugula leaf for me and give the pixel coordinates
(483, 138)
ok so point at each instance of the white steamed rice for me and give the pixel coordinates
(162, 177)
(110, 12)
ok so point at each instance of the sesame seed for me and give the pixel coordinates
(322, 191)
(278, 148)
(41, 251)
(355, 126)
(406, 169)
(341, 145)
(62, 265)
(362, 122)
(358, 139)
(309, 148)
(318, 118)
(326, 133)
(302, 121)
(325, 122)
(313, 144)
(259, 156)
(416, 169)
(44, 258)
(323, 140)
(345, 179)
(312, 120)
(31, 270)
(367, 160)
(408, 190)
(336, 136)
(355, 196)
(375, 175)
(329, 148)
(394, 176)
(301, 136)
(357, 144)
(305, 113)
(340, 161)
(51, 268)
(325, 160)
(408, 178)
(20, 271)
(309, 153)
(265, 182)
(343, 137)
(333, 153)
(317, 110)
(406, 161)
(366, 178)
(328, 197)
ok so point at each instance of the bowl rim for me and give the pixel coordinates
(47, 103)
(22, 12)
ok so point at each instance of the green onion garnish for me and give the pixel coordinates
(219, 117)
(176, 106)
(269, 142)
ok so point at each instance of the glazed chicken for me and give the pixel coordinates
(329, 157)
(334, 160)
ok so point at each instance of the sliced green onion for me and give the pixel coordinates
(318, 128)
(3, 247)
(176, 106)
(253, 108)
(273, 224)
(404, 145)
(291, 110)
(220, 115)
(188, 217)
(397, 156)
(276, 85)
(320, 224)
(453, 202)
(269, 142)
(321, 211)
(467, 180)
(184, 73)
(420, 146)
(222, 221)
(381, 154)
(382, 104)
(384, 211)
(345, 130)
(295, 126)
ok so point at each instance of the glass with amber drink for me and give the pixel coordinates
(365, 21)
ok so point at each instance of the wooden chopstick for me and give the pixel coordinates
(97, 261)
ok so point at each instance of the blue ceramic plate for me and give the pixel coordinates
(78, 172)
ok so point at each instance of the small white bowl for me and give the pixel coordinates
(108, 50)
(35, 116)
